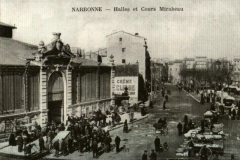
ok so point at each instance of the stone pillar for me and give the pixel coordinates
(27, 109)
(112, 81)
(43, 97)
(68, 102)
(98, 82)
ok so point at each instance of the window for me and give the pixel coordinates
(120, 39)
(123, 61)
(123, 49)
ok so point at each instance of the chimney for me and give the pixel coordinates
(136, 34)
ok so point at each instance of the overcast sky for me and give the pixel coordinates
(205, 27)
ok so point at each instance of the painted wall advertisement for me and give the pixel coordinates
(131, 83)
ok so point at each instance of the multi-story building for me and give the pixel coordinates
(236, 70)
(174, 70)
(128, 48)
(189, 62)
(201, 62)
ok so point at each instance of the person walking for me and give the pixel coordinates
(153, 155)
(144, 156)
(95, 148)
(179, 127)
(164, 105)
(185, 128)
(125, 127)
(20, 143)
(56, 147)
(166, 97)
(64, 147)
(117, 142)
(41, 143)
(157, 144)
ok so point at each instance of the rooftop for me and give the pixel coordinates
(178, 61)
(189, 59)
(14, 52)
(7, 25)
(126, 33)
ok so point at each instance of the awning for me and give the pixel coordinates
(208, 113)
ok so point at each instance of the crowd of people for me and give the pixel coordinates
(85, 136)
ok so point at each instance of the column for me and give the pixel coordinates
(112, 86)
(27, 109)
(68, 93)
(98, 82)
(43, 97)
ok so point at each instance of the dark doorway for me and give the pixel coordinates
(54, 113)
(55, 98)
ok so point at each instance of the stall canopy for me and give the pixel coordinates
(230, 98)
(208, 113)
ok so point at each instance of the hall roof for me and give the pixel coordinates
(12, 52)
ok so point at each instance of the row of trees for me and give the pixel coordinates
(214, 75)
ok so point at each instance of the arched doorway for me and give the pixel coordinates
(55, 97)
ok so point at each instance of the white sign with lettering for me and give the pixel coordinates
(130, 82)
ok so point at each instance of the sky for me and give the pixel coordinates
(203, 28)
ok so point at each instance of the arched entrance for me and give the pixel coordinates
(55, 98)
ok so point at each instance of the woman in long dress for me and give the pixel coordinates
(125, 127)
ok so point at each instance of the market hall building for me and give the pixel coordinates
(47, 82)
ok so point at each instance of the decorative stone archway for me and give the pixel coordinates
(45, 77)
(56, 97)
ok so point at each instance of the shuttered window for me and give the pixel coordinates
(105, 84)
(33, 91)
(12, 91)
(88, 89)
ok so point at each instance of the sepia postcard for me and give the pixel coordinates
(120, 80)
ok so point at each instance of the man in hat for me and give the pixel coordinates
(64, 147)
(157, 144)
(20, 143)
(144, 156)
(41, 143)
(95, 148)
(179, 127)
(153, 155)
(56, 147)
(117, 142)
(203, 153)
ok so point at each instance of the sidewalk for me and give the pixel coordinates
(194, 95)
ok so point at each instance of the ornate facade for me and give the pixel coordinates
(48, 82)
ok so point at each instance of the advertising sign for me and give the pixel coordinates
(130, 82)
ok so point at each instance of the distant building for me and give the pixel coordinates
(236, 70)
(201, 62)
(190, 62)
(174, 70)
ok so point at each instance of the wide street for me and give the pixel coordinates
(141, 136)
